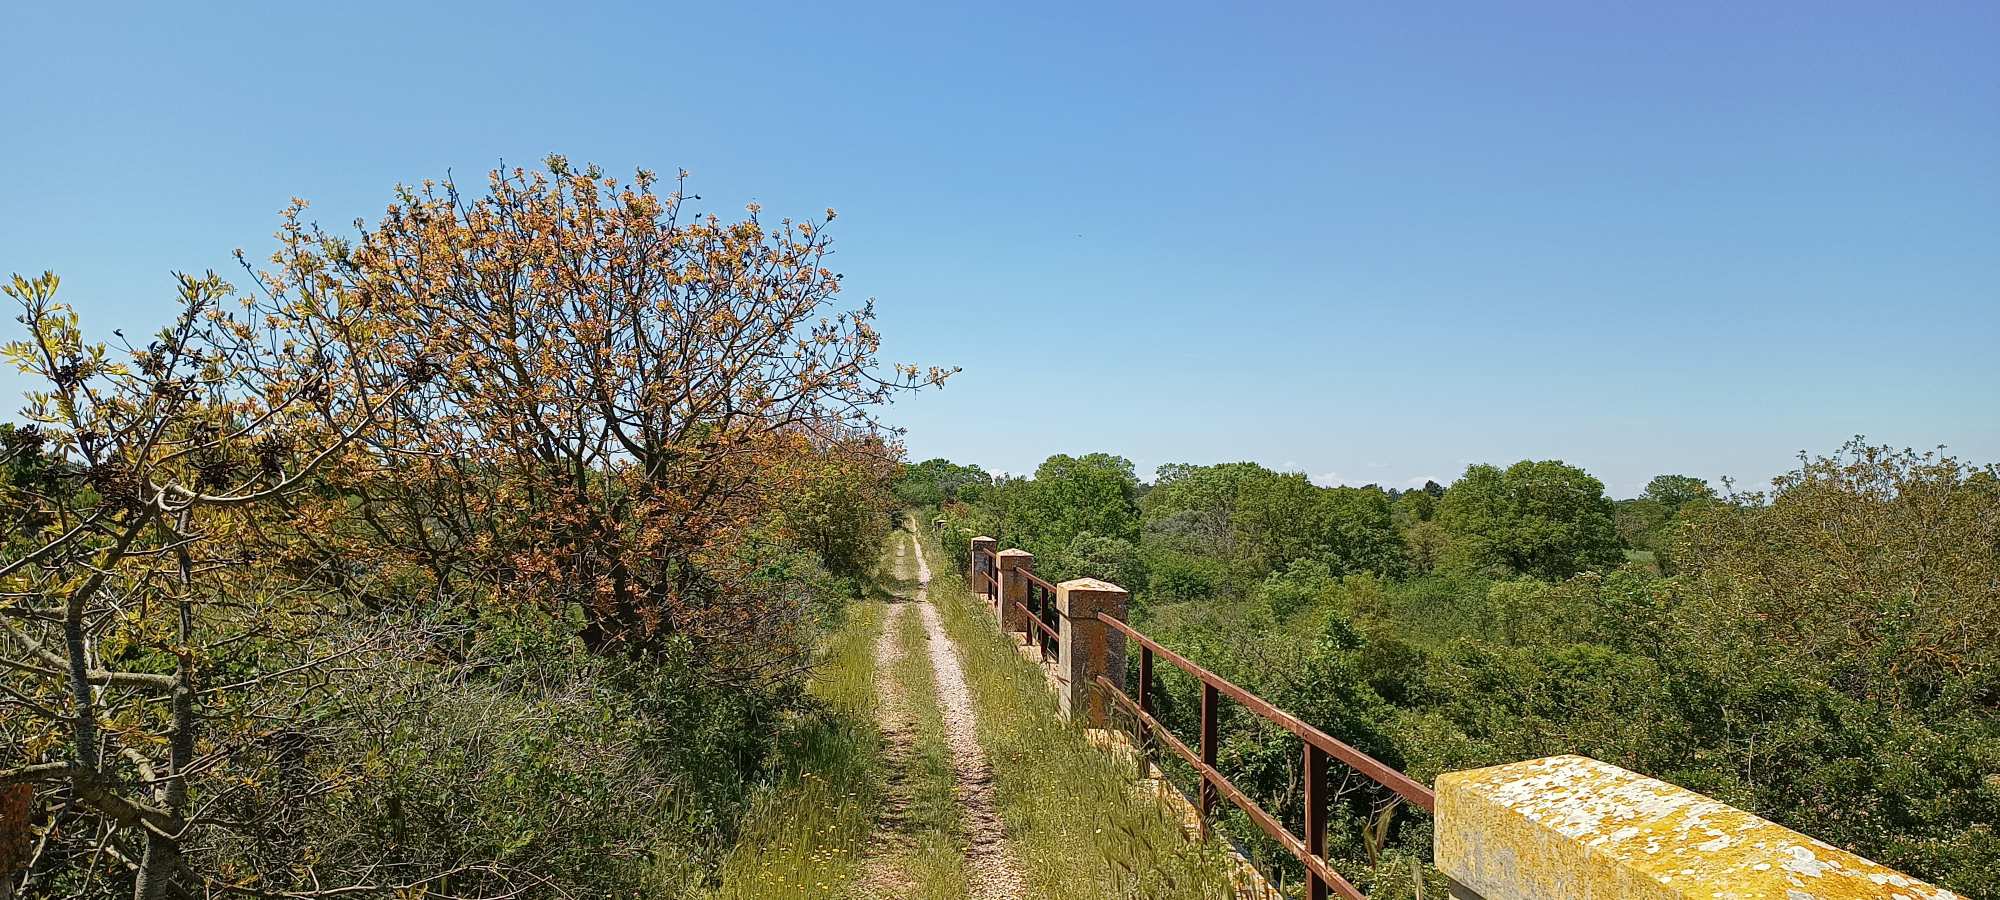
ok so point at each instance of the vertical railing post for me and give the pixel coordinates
(1014, 565)
(1090, 648)
(1211, 704)
(1145, 706)
(1316, 784)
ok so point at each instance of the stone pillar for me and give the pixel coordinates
(972, 580)
(1573, 827)
(1014, 564)
(1089, 647)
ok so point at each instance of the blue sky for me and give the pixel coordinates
(1372, 243)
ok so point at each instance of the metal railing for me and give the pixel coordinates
(1310, 847)
(985, 569)
(1043, 616)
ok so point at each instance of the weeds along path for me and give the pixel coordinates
(883, 869)
(1079, 826)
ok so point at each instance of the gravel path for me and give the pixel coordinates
(881, 875)
(990, 869)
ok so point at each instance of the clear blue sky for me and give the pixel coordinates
(1371, 243)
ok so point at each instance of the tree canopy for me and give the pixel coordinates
(1539, 518)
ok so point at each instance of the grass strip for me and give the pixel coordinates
(1079, 827)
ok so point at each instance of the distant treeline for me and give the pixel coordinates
(1823, 652)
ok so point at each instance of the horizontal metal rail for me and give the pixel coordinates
(1210, 775)
(1319, 746)
(1376, 770)
(1036, 621)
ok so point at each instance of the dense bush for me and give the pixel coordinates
(481, 553)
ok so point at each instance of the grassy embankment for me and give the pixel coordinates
(807, 830)
(1079, 828)
(811, 829)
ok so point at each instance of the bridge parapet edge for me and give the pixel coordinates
(1575, 828)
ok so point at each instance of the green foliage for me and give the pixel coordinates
(1877, 568)
(1259, 521)
(1822, 654)
(1675, 491)
(1301, 587)
(935, 482)
(1114, 559)
(1096, 494)
(600, 775)
(1414, 507)
(1175, 576)
(1825, 654)
(1539, 518)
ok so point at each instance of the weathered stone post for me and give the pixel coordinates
(973, 582)
(1576, 828)
(1014, 566)
(1089, 647)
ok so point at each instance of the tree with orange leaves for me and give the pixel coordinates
(620, 385)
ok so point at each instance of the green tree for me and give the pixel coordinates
(937, 481)
(1537, 517)
(1095, 494)
(1194, 507)
(1279, 519)
(1414, 506)
(1640, 522)
(1361, 533)
(1676, 491)
(1879, 566)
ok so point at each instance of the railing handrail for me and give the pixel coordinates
(1037, 621)
(1292, 843)
(1376, 770)
(1036, 579)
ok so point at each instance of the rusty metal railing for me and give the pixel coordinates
(1310, 847)
(986, 572)
(1043, 616)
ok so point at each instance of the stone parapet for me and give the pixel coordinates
(1573, 828)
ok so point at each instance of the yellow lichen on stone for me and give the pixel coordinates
(1572, 828)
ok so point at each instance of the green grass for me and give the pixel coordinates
(1078, 827)
(935, 862)
(806, 832)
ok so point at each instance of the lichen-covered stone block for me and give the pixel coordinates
(1573, 828)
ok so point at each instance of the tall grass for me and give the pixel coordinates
(806, 832)
(1079, 826)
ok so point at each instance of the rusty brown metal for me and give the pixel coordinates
(1316, 803)
(1210, 708)
(1316, 865)
(1145, 741)
(986, 565)
(1319, 749)
(1045, 637)
(1375, 770)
